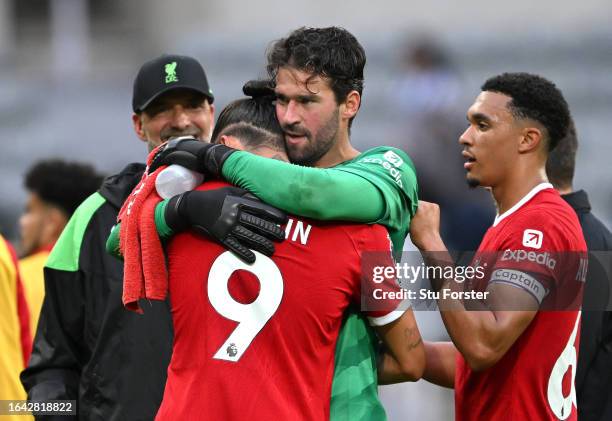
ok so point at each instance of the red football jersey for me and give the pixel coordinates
(257, 341)
(538, 246)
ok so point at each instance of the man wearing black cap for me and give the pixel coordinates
(87, 347)
(172, 98)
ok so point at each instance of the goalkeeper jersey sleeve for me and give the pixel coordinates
(378, 186)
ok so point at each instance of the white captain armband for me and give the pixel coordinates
(521, 280)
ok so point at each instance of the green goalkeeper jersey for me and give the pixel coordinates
(378, 186)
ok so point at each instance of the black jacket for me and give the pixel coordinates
(87, 346)
(594, 373)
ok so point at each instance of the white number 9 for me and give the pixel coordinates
(251, 317)
(561, 405)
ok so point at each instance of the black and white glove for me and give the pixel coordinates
(230, 216)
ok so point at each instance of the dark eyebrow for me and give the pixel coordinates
(478, 117)
(312, 97)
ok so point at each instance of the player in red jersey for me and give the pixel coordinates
(257, 341)
(515, 359)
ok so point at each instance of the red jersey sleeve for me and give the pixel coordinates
(378, 293)
(536, 256)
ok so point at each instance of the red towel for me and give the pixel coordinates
(144, 272)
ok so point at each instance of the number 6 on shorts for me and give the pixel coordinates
(251, 317)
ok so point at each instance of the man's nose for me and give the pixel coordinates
(291, 114)
(180, 117)
(465, 138)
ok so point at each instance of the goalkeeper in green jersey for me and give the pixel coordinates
(318, 80)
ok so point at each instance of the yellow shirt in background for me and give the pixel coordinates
(11, 352)
(31, 269)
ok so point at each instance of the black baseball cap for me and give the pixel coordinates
(166, 73)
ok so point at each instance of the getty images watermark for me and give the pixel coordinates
(406, 274)
(517, 279)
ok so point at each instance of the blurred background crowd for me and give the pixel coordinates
(66, 69)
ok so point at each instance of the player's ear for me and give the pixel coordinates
(138, 127)
(531, 139)
(231, 141)
(350, 106)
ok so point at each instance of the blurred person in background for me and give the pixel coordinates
(87, 347)
(427, 101)
(55, 189)
(594, 372)
(15, 336)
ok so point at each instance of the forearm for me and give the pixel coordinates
(480, 335)
(493, 319)
(405, 360)
(299, 190)
(326, 194)
(440, 363)
(390, 370)
(476, 335)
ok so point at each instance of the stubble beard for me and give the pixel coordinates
(472, 182)
(316, 148)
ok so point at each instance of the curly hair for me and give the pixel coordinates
(333, 53)
(62, 184)
(536, 98)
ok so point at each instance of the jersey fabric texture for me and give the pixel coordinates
(534, 380)
(14, 328)
(257, 341)
(31, 268)
(88, 348)
(378, 186)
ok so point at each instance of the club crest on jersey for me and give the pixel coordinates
(532, 238)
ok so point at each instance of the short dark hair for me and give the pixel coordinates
(254, 137)
(62, 184)
(561, 162)
(258, 109)
(252, 119)
(332, 52)
(536, 98)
